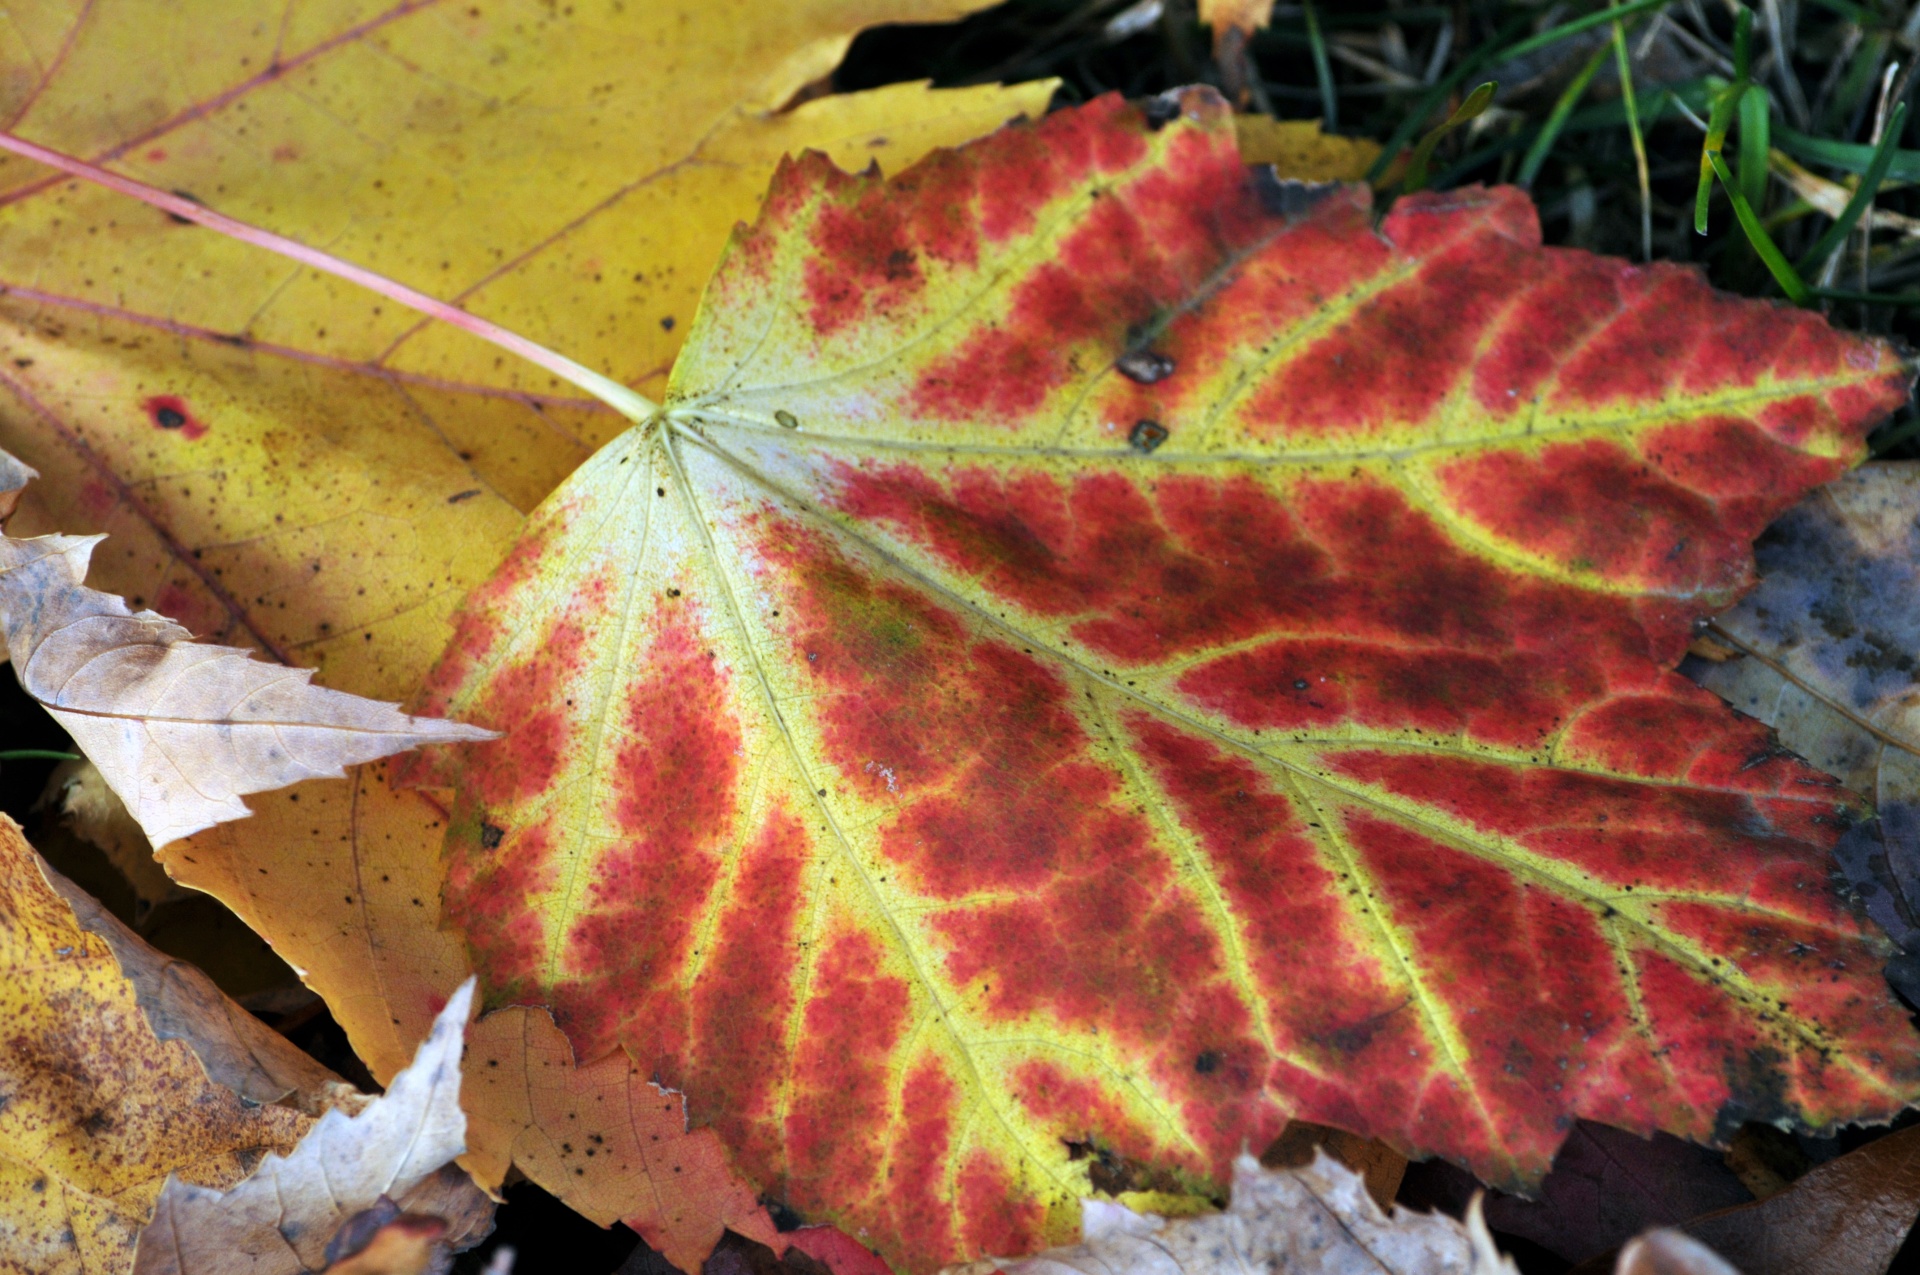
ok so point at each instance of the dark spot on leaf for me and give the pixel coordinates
(459, 496)
(491, 835)
(170, 412)
(1208, 1062)
(787, 419)
(666, 324)
(1146, 435)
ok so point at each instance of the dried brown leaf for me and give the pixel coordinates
(280, 1220)
(1847, 1217)
(181, 1003)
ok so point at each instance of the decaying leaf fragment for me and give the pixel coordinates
(98, 1111)
(1103, 652)
(282, 1218)
(1313, 1220)
(180, 730)
(181, 1003)
(1300, 151)
(14, 477)
(597, 1131)
(1244, 16)
(1826, 650)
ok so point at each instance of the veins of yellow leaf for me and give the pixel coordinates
(627, 402)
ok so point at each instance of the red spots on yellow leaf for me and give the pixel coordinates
(1549, 500)
(1033, 813)
(1553, 311)
(1052, 158)
(1621, 834)
(1737, 464)
(838, 1082)
(1314, 684)
(864, 265)
(1323, 762)
(96, 499)
(1132, 256)
(737, 1059)
(195, 610)
(1398, 358)
(1000, 1218)
(671, 809)
(1662, 733)
(490, 880)
(1196, 562)
(527, 701)
(919, 1206)
(170, 412)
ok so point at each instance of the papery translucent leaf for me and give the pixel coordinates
(179, 729)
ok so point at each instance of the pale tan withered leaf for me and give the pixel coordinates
(181, 730)
(1313, 1220)
(280, 1220)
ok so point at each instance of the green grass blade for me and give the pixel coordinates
(1868, 298)
(1575, 27)
(1756, 139)
(1848, 157)
(37, 754)
(1557, 119)
(1783, 272)
(1410, 123)
(1725, 103)
(1322, 71)
(1493, 51)
(1836, 234)
(1476, 103)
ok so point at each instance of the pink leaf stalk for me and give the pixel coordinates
(617, 396)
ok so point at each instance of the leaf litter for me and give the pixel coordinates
(1314, 1220)
(282, 1219)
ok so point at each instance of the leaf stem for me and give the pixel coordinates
(632, 405)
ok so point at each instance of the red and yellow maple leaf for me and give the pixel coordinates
(1104, 648)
